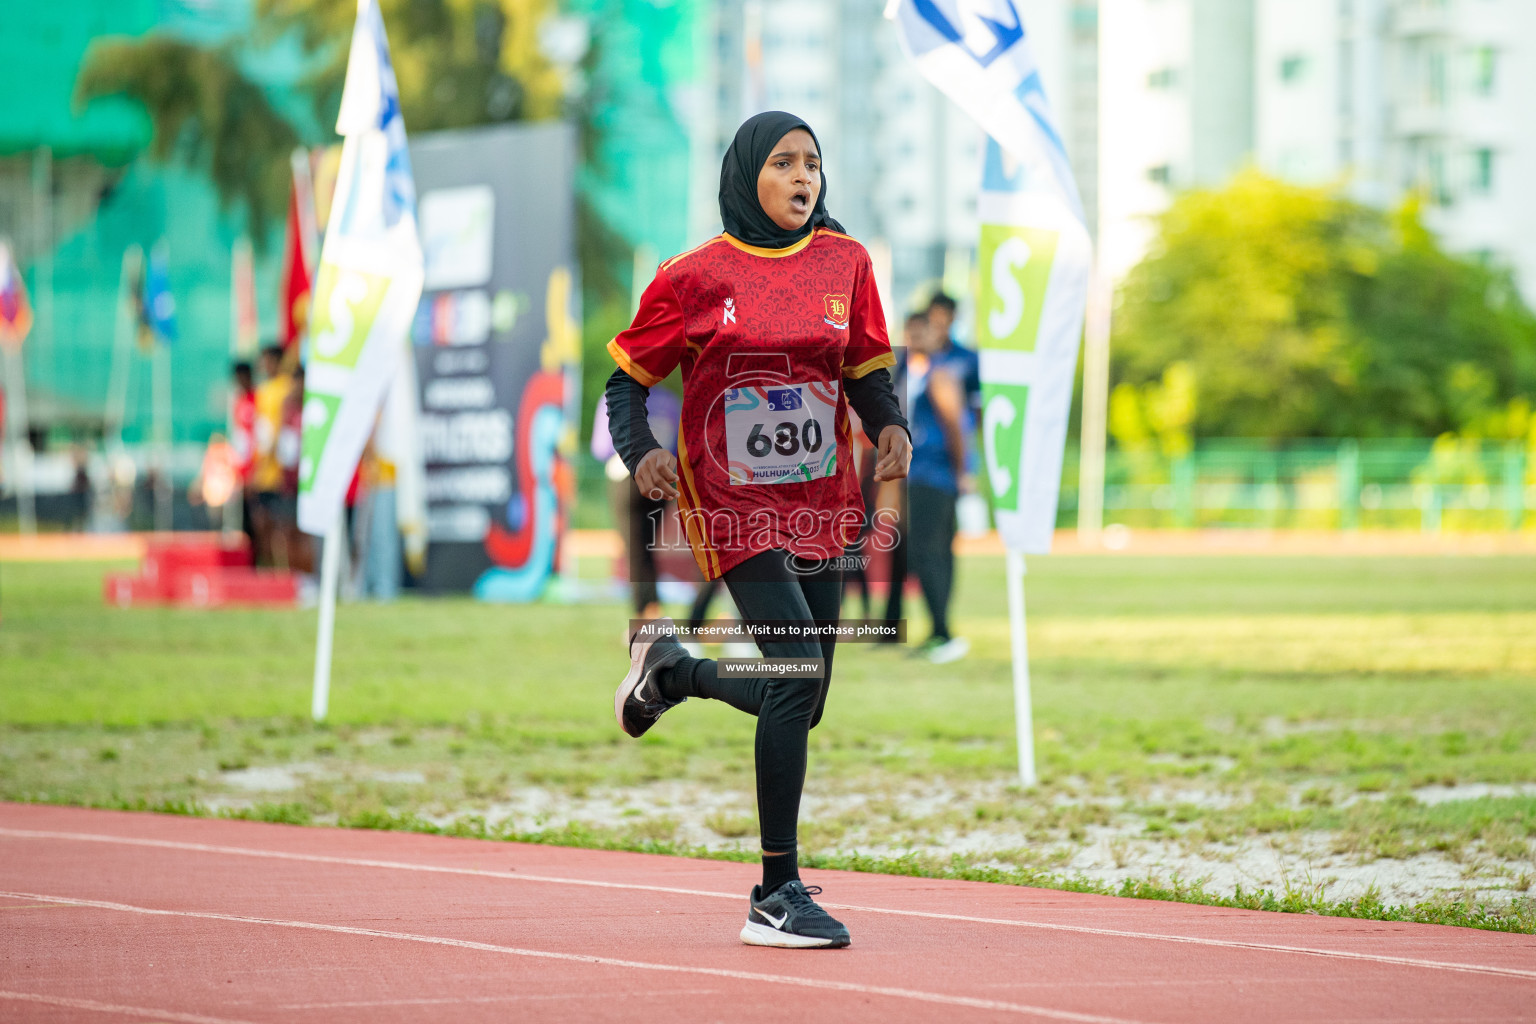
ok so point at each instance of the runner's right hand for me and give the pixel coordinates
(656, 476)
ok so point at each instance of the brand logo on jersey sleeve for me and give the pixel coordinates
(837, 310)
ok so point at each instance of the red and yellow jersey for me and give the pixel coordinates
(266, 470)
(765, 338)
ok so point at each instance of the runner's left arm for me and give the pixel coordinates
(868, 359)
(873, 397)
(648, 350)
(627, 421)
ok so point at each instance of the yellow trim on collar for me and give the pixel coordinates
(682, 255)
(772, 254)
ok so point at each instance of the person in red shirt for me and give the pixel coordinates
(777, 328)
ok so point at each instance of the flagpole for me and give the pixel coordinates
(372, 248)
(42, 179)
(122, 350)
(330, 574)
(1023, 713)
(1090, 484)
(1035, 278)
(231, 519)
(304, 192)
(20, 441)
(160, 367)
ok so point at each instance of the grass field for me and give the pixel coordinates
(1339, 735)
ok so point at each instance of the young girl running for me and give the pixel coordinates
(778, 329)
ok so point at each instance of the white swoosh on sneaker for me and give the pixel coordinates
(776, 922)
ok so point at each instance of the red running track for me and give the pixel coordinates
(115, 916)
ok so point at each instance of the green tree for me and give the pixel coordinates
(206, 113)
(459, 63)
(1301, 313)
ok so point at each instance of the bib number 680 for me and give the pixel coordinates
(788, 439)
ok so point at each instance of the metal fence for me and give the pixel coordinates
(1423, 485)
(1445, 484)
(1452, 485)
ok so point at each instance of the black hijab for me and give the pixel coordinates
(740, 212)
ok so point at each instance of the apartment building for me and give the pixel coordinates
(1390, 97)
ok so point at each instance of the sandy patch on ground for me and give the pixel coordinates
(935, 819)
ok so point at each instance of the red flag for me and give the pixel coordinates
(294, 305)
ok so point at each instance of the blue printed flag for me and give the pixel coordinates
(368, 282)
(159, 303)
(1034, 254)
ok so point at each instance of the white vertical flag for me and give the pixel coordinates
(1035, 260)
(1035, 254)
(368, 282)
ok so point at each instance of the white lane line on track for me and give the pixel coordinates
(1265, 947)
(456, 1000)
(316, 858)
(916, 995)
(128, 1011)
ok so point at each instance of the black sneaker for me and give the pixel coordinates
(790, 918)
(638, 702)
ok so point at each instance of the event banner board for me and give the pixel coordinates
(495, 340)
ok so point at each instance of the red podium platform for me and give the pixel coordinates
(200, 574)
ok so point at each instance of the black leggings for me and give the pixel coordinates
(775, 586)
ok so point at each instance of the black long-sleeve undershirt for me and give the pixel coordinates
(627, 424)
(872, 396)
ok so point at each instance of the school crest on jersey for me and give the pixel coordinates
(837, 310)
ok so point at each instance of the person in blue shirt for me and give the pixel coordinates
(942, 425)
(941, 316)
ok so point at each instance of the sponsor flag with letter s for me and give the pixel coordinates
(1035, 257)
(368, 281)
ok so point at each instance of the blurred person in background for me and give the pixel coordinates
(266, 476)
(942, 428)
(373, 487)
(242, 440)
(865, 454)
(638, 516)
(80, 490)
(217, 484)
(915, 324)
(289, 449)
(941, 316)
(354, 528)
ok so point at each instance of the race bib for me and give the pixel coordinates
(777, 434)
